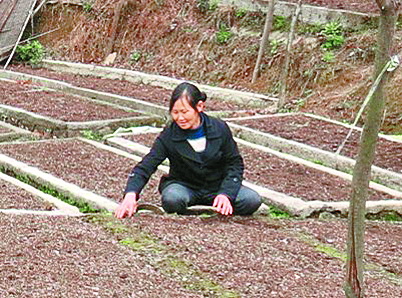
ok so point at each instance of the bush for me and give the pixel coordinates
(224, 34)
(333, 33)
(32, 52)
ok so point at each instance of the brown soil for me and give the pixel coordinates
(13, 197)
(57, 257)
(274, 248)
(80, 163)
(327, 136)
(147, 93)
(67, 257)
(57, 105)
(47, 257)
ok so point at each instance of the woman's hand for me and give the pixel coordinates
(128, 206)
(223, 205)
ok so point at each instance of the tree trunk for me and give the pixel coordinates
(288, 55)
(354, 284)
(264, 40)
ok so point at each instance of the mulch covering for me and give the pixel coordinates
(57, 105)
(327, 136)
(67, 257)
(285, 176)
(58, 256)
(13, 197)
(153, 94)
(80, 163)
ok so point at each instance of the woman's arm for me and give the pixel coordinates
(141, 173)
(234, 167)
(138, 177)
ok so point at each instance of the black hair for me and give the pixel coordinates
(193, 95)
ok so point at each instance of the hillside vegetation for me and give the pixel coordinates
(201, 42)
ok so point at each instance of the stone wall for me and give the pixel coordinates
(309, 14)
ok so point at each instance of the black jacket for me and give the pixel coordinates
(219, 169)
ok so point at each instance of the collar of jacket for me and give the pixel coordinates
(211, 131)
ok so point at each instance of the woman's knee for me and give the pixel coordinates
(175, 198)
(247, 202)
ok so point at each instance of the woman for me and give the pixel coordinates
(205, 165)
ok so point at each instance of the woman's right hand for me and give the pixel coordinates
(128, 207)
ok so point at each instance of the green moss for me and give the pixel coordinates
(275, 212)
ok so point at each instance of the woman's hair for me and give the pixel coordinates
(188, 91)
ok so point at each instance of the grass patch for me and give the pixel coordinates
(91, 135)
(385, 216)
(160, 257)
(321, 247)
(275, 212)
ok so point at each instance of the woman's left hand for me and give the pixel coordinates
(223, 205)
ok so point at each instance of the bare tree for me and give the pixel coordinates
(288, 56)
(264, 40)
(354, 284)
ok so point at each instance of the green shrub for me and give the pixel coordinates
(241, 12)
(281, 23)
(223, 35)
(135, 56)
(333, 33)
(328, 57)
(32, 52)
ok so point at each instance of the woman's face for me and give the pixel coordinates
(185, 116)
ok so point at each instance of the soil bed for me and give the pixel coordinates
(267, 259)
(13, 197)
(156, 95)
(67, 257)
(383, 239)
(80, 163)
(57, 105)
(287, 177)
(327, 136)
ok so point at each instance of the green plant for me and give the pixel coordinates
(207, 5)
(333, 33)
(91, 135)
(281, 23)
(274, 46)
(224, 34)
(135, 56)
(328, 57)
(241, 12)
(275, 212)
(310, 28)
(32, 52)
(87, 5)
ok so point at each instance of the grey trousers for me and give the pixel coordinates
(176, 198)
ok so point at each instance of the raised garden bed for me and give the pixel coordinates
(14, 197)
(271, 259)
(99, 171)
(285, 176)
(68, 257)
(9, 132)
(327, 136)
(148, 93)
(37, 108)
